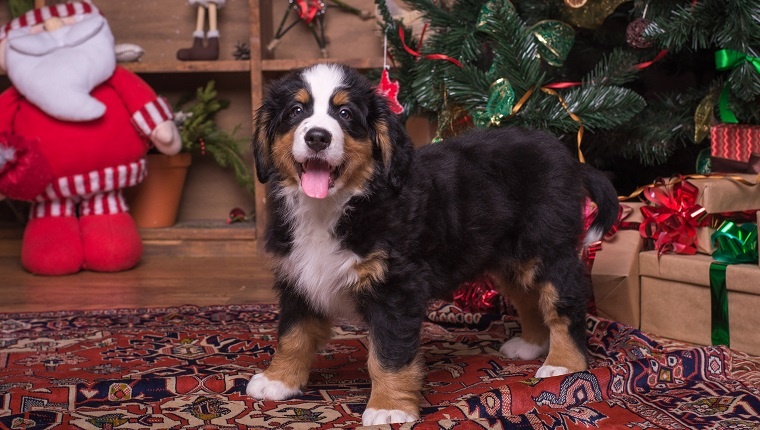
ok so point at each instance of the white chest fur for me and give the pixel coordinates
(317, 264)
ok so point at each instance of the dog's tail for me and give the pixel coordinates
(602, 192)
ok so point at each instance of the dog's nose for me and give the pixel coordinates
(318, 139)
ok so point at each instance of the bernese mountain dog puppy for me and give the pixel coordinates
(362, 225)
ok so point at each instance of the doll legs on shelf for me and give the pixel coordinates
(199, 52)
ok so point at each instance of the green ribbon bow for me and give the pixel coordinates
(727, 59)
(734, 244)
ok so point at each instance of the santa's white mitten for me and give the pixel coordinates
(166, 138)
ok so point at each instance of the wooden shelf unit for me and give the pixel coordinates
(161, 28)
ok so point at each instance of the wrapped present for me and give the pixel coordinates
(615, 272)
(676, 299)
(734, 141)
(680, 213)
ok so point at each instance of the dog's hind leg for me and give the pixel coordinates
(533, 342)
(564, 312)
(301, 334)
(395, 367)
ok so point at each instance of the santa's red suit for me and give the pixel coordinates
(78, 218)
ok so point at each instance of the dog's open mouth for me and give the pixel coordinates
(317, 177)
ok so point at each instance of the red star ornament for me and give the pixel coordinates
(390, 89)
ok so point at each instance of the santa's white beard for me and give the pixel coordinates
(57, 71)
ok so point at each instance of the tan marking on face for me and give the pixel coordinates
(282, 156)
(260, 138)
(398, 389)
(563, 351)
(371, 271)
(295, 352)
(525, 302)
(340, 98)
(302, 96)
(358, 167)
(384, 140)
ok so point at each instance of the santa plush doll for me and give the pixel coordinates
(74, 130)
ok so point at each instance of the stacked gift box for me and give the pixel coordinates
(694, 223)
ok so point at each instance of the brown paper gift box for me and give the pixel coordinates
(720, 195)
(615, 274)
(675, 299)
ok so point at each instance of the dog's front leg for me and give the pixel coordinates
(301, 333)
(396, 370)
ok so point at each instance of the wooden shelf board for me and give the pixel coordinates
(283, 65)
(201, 230)
(189, 66)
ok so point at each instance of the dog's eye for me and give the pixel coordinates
(345, 114)
(295, 111)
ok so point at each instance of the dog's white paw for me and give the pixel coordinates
(517, 348)
(372, 416)
(263, 388)
(546, 371)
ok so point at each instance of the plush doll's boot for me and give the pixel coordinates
(52, 246)
(111, 242)
(198, 52)
(190, 54)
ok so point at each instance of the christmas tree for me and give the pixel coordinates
(633, 84)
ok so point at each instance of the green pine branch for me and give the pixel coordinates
(199, 132)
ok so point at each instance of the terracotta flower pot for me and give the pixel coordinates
(155, 202)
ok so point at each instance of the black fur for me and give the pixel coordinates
(484, 202)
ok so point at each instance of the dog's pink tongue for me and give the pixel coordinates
(315, 180)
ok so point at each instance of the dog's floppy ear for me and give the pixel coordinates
(262, 145)
(396, 148)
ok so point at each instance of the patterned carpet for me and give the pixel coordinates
(187, 368)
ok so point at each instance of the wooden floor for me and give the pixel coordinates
(158, 281)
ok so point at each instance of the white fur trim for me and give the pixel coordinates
(372, 416)
(219, 3)
(262, 388)
(212, 33)
(518, 348)
(38, 16)
(199, 34)
(151, 114)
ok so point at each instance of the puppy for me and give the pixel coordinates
(362, 225)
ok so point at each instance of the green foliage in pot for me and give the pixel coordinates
(201, 135)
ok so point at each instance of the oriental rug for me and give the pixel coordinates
(187, 368)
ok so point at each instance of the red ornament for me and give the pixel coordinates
(236, 215)
(390, 89)
(634, 33)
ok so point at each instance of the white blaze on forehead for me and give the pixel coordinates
(322, 82)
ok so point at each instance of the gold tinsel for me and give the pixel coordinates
(590, 15)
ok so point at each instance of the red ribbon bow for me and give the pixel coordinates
(673, 216)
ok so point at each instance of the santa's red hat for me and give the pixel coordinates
(40, 15)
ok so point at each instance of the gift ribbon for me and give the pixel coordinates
(727, 59)
(720, 334)
(735, 244)
(673, 217)
(416, 54)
